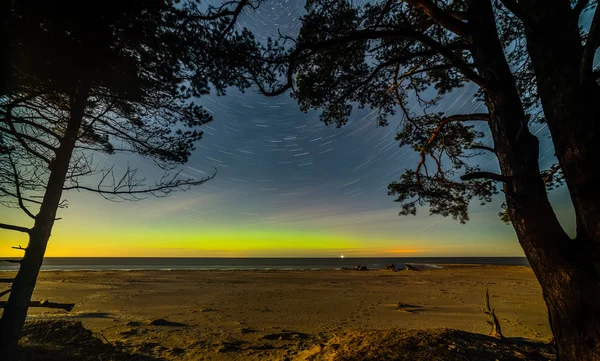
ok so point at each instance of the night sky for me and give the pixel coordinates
(287, 185)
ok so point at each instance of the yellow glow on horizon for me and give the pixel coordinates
(78, 240)
(168, 242)
(110, 234)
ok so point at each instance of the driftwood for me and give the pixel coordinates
(496, 330)
(47, 304)
(355, 268)
(410, 268)
(407, 308)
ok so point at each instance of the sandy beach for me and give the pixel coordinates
(258, 315)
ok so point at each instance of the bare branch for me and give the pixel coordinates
(46, 130)
(16, 196)
(16, 102)
(18, 188)
(7, 280)
(465, 117)
(440, 126)
(235, 14)
(307, 49)
(221, 13)
(128, 185)
(483, 147)
(484, 175)
(5, 292)
(14, 228)
(455, 59)
(519, 12)
(555, 168)
(391, 62)
(19, 138)
(443, 18)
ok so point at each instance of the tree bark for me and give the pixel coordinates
(15, 310)
(562, 266)
(570, 98)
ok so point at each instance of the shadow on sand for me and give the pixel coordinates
(60, 340)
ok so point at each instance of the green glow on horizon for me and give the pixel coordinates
(135, 241)
(168, 230)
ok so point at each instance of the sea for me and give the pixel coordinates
(171, 264)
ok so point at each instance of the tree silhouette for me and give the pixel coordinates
(528, 61)
(83, 79)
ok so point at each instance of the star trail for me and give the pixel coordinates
(286, 185)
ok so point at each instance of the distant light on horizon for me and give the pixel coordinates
(342, 256)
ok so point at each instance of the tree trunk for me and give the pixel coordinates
(15, 311)
(570, 97)
(567, 277)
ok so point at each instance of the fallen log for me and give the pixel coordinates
(46, 304)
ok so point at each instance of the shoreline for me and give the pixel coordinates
(251, 264)
(424, 267)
